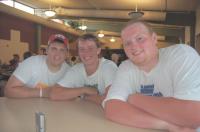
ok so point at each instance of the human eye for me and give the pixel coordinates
(140, 39)
(62, 50)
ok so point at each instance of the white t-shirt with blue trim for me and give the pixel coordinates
(177, 75)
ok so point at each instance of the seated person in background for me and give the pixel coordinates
(35, 74)
(27, 54)
(90, 78)
(14, 62)
(115, 58)
(73, 60)
(156, 89)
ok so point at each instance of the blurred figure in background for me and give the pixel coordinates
(116, 58)
(27, 54)
(14, 62)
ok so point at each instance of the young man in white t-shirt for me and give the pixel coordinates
(35, 75)
(156, 89)
(91, 78)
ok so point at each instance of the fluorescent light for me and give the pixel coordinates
(50, 13)
(8, 2)
(24, 8)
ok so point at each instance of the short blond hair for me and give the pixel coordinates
(147, 25)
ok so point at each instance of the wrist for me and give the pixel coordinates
(40, 93)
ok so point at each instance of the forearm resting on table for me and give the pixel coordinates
(95, 98)
(21, 92)
(17, 89)
(181, 112)
(61, 93)
(124, 113)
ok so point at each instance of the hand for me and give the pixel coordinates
(90, 91)
(95, 98)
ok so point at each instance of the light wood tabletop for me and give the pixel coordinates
(18, 115)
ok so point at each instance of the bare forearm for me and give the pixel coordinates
(124, 113)
(181, 112)
(60, 93)
(22, 92)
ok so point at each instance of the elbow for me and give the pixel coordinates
(7, 92)
(109, 112)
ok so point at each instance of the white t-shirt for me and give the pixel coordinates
(177, 75)
(102, 78)
(34, 72)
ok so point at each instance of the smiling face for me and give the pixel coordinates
(140, 44)
(88, 52)
(56, 54)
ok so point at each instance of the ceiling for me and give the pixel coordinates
(109, 16)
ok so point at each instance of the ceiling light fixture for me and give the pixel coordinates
(112, 39)
(50, 12)
(82, 25)
(136, 14)
(100, 35)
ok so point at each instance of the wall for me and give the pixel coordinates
(27, 29)
(18, 35)
(12, 46)
(197, 29)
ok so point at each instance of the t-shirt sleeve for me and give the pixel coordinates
(71, 79)
(24, 70)
(109, 72)
(186, 74)
(122, 85)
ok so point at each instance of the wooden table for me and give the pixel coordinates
(18, 115)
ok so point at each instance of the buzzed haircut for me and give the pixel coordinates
(147, 25)
(90, 37)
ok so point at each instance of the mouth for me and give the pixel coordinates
(137, 53)
(87, 58)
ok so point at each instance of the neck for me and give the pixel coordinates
(147, 67)
(53, 68)
(90, 69)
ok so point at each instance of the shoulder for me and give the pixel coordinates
(178, 54)
(127, 64)
(78, 67)
(105, 63)
(37, 58)
(177, 50)
(33, 61)
(66, 66)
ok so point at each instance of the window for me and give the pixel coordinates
(18, 6)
